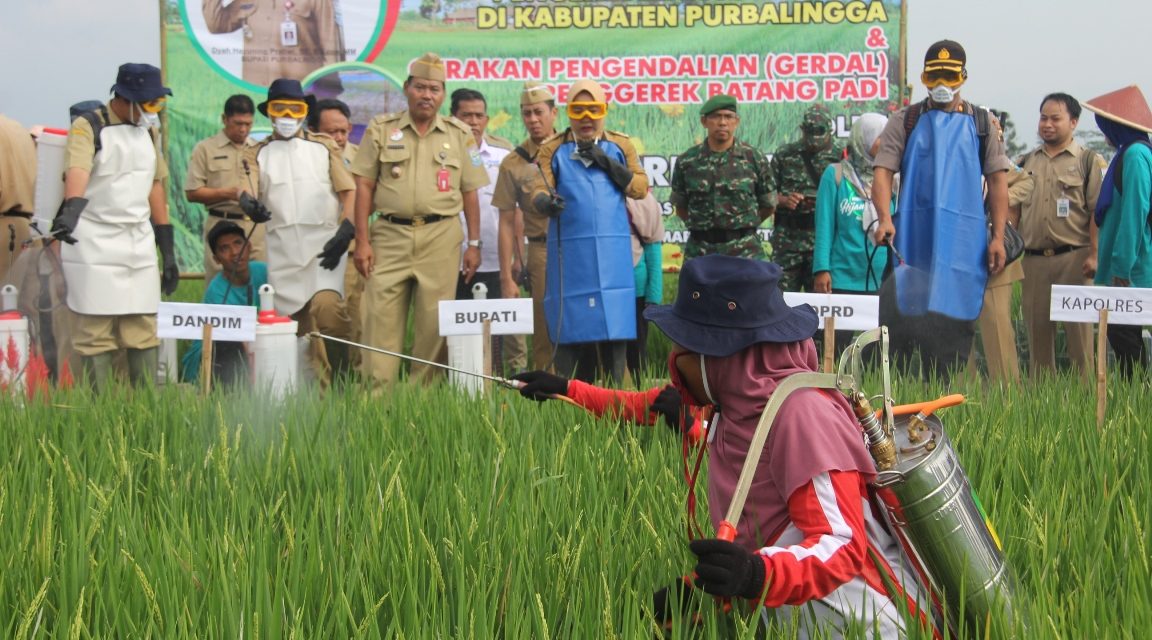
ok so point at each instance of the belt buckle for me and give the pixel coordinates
(1048, 253)
(418, 221)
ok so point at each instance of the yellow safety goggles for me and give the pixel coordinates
(947, 77)
(594, 110)
(153, 106)
(287, 108)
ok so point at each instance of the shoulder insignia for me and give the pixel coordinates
(497, 141)
(459, 124)
(616, 133)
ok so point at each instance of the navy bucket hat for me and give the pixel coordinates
(725, 304)
(139, 82)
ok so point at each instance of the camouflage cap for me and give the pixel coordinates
(428, 67)
(591, 86)
(534, 93)
(718, 102)
(817, 117)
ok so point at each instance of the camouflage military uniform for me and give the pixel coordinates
(723, 193)
(796, 169)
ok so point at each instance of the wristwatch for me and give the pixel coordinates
(476, 243)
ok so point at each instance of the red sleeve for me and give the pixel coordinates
(627, 405)
(828, 511)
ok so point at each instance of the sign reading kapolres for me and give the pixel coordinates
(657, 61)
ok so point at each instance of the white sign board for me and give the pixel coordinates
(1125, 305)
(851, 312)
(185, 321)
(509, 316)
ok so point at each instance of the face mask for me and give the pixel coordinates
(149, 120)
(942, 94)
(287, 127)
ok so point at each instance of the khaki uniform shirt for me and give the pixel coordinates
(319, 39)
(349, 155)
(81, 149)
(405, 165)
(17, 168)
(637, 188)
(890, 155)
(515, 183)
(1056, 177)
(217, 163)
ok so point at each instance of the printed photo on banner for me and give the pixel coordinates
(257, 41)
(367, 90)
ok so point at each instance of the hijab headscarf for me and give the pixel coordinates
(814, 432)
(864, 133)
(1121, 136)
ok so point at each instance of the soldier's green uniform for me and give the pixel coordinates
(796, 168)
(723, 193)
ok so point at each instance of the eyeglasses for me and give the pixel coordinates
(287, 108)
(153, 106)
(594, 110)
(947, 77)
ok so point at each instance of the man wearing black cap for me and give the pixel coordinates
(113, 215)
(722, 188)
(237, 283)
(944, 246)
(309, 195)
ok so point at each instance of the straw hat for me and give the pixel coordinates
(1126, 106)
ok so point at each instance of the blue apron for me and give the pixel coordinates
(590, 293)
(941, 230)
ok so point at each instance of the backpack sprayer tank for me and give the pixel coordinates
(930, 503)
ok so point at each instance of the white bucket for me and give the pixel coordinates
(49, 175)
(14, 343)
(274, 368)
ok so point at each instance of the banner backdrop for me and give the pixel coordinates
(659, 60)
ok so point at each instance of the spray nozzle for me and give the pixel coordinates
(8, 298)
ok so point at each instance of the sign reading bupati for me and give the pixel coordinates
(657, 61)
(1125, 305)
(850, 313)
(509, 316)
(185, 321)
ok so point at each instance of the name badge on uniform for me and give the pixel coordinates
(288, 35)
(1062, 207)
(443, 180)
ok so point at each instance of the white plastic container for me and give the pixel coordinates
(14, 343)
(49, 175)
(467, 353)
(275, 360)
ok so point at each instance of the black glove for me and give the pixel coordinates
(67, 217)
(254, 209)
(170, 276)
(549, 204)
(620, 174)
(337, 247)
(726, 569)
(541, 384)
(668, 404)
(671, 602)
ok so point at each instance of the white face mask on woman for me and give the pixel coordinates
(287, 127)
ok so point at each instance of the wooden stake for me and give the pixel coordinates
(206, 360)
(487, 360)
(829, 344)
(1102, 369)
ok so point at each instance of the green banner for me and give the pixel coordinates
(659, 61)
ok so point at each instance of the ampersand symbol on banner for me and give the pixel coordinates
(876, 39)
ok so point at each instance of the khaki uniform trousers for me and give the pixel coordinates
(255, 241)
(353, 290)
(997, 334)
(93, 335)
(1042, 272)
(324, 313)
(416, 267)
(14, 230)
(541, 344)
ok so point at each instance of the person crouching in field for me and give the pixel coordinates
(808, 544)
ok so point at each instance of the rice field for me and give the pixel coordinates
(164, 514)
